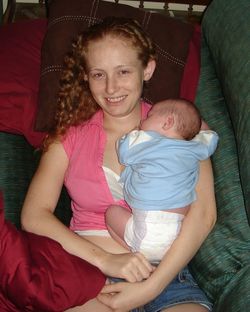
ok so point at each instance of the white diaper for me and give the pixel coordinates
(152, 232)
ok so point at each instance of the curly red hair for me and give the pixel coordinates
(75, 103)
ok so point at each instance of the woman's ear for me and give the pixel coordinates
(149, 70)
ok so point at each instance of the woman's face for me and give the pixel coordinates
(116, 75)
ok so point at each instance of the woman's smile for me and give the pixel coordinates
(116, 100)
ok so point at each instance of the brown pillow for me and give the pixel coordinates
(68, 18)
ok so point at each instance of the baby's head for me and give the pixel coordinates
(174, 118)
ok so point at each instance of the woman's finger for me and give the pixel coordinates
(143, 268)
(111, 288)
(144, 260)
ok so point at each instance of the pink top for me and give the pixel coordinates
(85, 179)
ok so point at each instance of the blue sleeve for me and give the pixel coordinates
(208, 141)
(213, 144)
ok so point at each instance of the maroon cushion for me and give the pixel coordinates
(20, 46)
(67, 18)
(191, 72)
(37, 274)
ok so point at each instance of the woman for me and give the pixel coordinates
(99, 101)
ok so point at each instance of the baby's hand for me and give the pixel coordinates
(204, 125)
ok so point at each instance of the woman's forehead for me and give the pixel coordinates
(112, 51)
(114, 40)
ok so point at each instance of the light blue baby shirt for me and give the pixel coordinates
(161, 173)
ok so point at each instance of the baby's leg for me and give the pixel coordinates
(116, 219)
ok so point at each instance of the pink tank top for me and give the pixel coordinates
(85, 179)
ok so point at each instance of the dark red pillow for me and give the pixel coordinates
(191, 74)
(67, 18)
(20, 51)
(37, 274)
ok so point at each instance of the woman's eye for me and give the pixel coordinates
(124, 72)
(97, 76)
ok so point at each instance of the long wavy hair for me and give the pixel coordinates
(75, 103)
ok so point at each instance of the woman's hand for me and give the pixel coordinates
(125, 296)
(133, 267)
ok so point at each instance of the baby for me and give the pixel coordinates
(161, 170)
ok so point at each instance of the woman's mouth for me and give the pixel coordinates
(115, 99)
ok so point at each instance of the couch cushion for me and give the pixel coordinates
(229, 42)
(18, 161)
(17, 165)
(19, 77)
(226, 251)
(235, 296)
(68, 18)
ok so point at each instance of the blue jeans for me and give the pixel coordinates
(183, 289)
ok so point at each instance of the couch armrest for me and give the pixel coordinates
(219, 264)
(226, 27)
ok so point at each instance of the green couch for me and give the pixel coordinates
(222, 266)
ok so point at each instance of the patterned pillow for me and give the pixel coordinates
(67, 18)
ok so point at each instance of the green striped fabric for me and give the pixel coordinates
(222, 266)
(18, 161)
(226, 27)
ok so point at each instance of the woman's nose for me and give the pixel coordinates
(111, 85)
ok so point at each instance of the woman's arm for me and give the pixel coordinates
(41, 199)
(38, 217)
(196, 226)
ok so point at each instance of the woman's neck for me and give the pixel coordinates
(123, 124)
(115, 128)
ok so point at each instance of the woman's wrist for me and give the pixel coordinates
(101, 258)
(150, 288)
(154, 285)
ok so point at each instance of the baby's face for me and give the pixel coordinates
(154, 121)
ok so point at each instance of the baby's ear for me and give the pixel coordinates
(169, 122)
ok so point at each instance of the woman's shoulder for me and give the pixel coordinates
(85, 126)
(83, 132)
